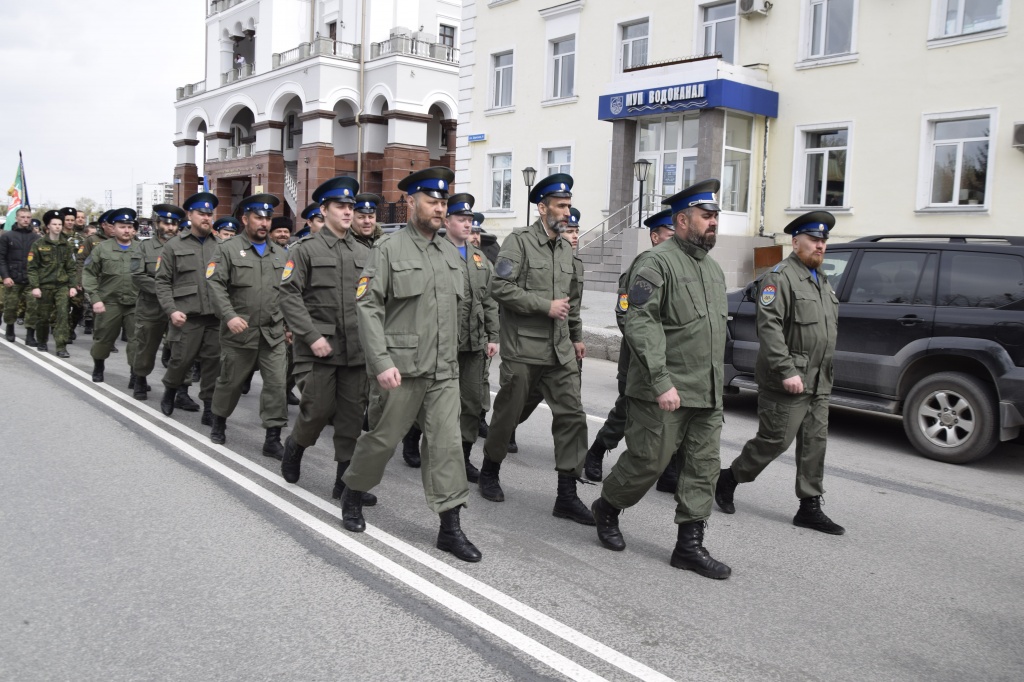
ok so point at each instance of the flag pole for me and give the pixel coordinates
(24, 180)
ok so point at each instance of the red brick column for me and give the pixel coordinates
(399, 161)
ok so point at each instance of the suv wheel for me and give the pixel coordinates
(951, 417)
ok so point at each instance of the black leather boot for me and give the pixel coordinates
(513, 447)
(87, 327)
(352, 511)
(131, 379)
(483, 430)
(30, 337)
(369, 499)
(183, 401)
(197, 372)
(451, 538)
(207, 418)
(592, 465)
(690, 554)
(490, 486)
(97, 371)
(291, 460)
(165, 355)
(247, 385)
(63, 353)
(292, 399)
(669, 477)
(217, 430)
(724, 490)
(568, 505)
(811, 516)
(606, 518)
(472, 473)
(141, 391)
(272, 446)
(411, 448)
(10, 333)
(167, 402)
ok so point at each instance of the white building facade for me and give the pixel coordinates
(147, 194)
(897, 117)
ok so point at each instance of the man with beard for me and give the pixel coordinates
(542, 345)
(150, 318)
(244, 277)
(675, 328)
(408, 305)
(281, 231)
(797, 316)
(364, 223)
(14, 248)
(184, 295)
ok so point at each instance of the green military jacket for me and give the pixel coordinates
(86, 247)
(75, 241)
(797, 319)
(675, 326)
(318, 296)
(576, 298)
(51, 264)
(531, 271)
(244, 284)
(478, 316)
(408, 304)
(143, 267)
(180, 274)
(107, 274)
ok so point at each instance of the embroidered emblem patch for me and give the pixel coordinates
(364, 283)
(504, 268)
(288, 267)
(30, 256)
(209, 269)
(768, 294)
(81, 249)
(623, 302)
(479, 261)
(640, 292)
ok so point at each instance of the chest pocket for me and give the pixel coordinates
(690, 305)
(806, 309)
(46, 256)
(323, 272)
(538, 276)
(566, 276)
(407, 279)
(151, 266)
(458, 278)
(186, 262)
(243, 274)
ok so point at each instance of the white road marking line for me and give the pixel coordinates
(544, 404)
(479, 618)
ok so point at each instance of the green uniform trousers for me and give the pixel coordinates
(148, 335)
(433, 403)
(782, 419)
(237, 365)
(485, 377)
(15, 297)
(560, 387)
(54, 300)
(471, 392)
(652, 438)
(198, 338)
(107, 329)
(331, 394)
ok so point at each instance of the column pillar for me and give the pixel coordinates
(710, 142)
(268, 136)
(186, 174)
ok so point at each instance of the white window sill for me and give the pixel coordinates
(831, 60)
(498, 111)
(935, 210)
(499, 212)
(560, 101)
(949, 41)
(495, 3)
(834, 210)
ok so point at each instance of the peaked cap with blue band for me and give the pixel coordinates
(435, 181)
(203, 202)
(816, 224)
(311, 212)
(574, 217)
(184, 226)
(478, 222)
(104, 217)
(260, 204)
(660, 219)
(367, 203)
(341, 189)
(700, 195)
(227, 224)
(169, 213)
(461, 204)
(122, 215)
(557, 185)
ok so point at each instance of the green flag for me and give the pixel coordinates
(17, 196)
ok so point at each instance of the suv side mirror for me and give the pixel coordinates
(750, 291)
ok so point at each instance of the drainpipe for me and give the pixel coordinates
(362, 84)
(764, 175)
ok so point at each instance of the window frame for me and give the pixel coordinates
(440, 34)
(806, 60)
(926, 160)
(752, 119)
(699, 25)
(496, 81)
(554, 66)
(554, 147)
(796, 200)
(620, 29)
(490, 180)
(937, 36)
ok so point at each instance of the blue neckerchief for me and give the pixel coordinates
(462, 250)
(814, 275)
(260, 248)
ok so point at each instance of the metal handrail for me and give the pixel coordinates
(650, 200)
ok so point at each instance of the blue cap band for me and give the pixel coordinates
(463, 206)
(429, 185)
(556, 187)
(336, 192)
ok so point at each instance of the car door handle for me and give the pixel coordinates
(910, 320)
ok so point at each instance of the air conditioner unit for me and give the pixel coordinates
(1018, 136)
(401, 31)
(424, 37)
(748, 7)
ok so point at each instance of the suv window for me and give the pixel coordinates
(887, 277)
(834, 267)
(980, 280)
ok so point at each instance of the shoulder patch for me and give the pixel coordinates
(640, 292)
(362, 286)
(210, 269)
(81, 249)
(504, 268)
(288, 268)
(623, 304)
(158, 259)
(768, 294)
(31, 255)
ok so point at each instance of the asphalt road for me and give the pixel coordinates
(132, 548)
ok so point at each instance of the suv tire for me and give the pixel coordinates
(951, 417)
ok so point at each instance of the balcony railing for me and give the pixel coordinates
(240, 152)
(241, 73)
(190, 90)
(416, 48)
(321, 47)
(217, 6)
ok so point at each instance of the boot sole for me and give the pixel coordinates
(291, 476)
(279, 457)
(582, 520)
(469, 559)
(218, 441)
(726, 508)
(352, 526)
(699, 571)
(841, 531)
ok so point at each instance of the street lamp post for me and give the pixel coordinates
(529, 177)
(641, 169)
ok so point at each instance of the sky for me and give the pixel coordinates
(87, 93)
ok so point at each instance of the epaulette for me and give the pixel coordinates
(779, 267)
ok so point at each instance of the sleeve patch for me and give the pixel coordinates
(768, 294)
(81, 249)
(364, 284)
(504, 268)
(623, 305)
(31, 256)
(210, 269)
(640, 292)
(288, 268)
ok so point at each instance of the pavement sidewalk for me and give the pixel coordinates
(600, 332)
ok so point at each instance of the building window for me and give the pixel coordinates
(564, 67)
(831, 27)
(447, 35)
(634, 45)
(958, 17)
(720, 30)
(502, 80)
(332, 30)
(736, 163)
(957, 160)
(501, 181)
(821, 166)
(558, 160)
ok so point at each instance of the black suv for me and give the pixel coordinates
(931, 327)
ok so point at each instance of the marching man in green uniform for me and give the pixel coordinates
(542, 345)
(408, 305)
(675, 328)
(797, 318)
(52, 278)
(244, 277)
(107, 278)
